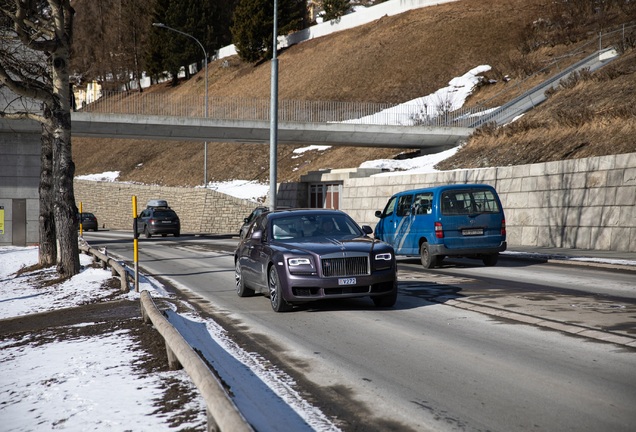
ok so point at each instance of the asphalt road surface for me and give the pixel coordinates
(426, 364)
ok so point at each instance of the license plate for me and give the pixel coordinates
(166, 222)
(472, 232)
(347, 281)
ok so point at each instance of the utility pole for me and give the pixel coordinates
(273, 128)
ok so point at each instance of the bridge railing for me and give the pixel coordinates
(254, 109)
(438, 114)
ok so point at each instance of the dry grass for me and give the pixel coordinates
(396, 59)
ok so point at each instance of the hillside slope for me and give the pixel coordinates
(396, 59)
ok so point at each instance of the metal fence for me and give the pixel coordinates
(254, 109)
(408, 114)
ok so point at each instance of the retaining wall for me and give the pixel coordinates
(200, 210)
(581, 203)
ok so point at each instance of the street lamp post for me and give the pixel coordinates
(205, 62)
(273, 128)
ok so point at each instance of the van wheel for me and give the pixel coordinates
(428, 260)
(490, 260)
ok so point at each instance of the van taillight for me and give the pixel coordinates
(503, 227)
(439, 231)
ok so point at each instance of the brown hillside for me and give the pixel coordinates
(396, 59)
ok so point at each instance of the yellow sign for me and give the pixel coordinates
(1, 219)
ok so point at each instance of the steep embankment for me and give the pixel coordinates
(394, 59)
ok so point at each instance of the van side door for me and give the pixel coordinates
(385, 228)
(422, 225)
(395, 222)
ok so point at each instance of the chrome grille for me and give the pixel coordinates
(348, 266)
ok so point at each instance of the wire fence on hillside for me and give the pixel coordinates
(300, 111)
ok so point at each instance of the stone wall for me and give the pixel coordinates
(200, 210)
(580, 203)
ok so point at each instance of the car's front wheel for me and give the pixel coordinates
(275, 295)
(241, 290)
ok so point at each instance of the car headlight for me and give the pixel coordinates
(294, 262)
(386, 256)
(301, 266)
(383, 261)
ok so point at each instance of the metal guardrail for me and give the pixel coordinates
(503, 108)
(223, 415)
(116, 267)
(536, 95)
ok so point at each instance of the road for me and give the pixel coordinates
(426, 364)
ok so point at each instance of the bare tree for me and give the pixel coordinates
(37, 37)
(111, 41)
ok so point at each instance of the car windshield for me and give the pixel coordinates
(314, 226)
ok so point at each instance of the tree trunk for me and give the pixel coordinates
(63, 167)
(48, 249)
(45, 29)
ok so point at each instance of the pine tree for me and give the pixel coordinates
(334, 9)
(254, 21)
(207, 21)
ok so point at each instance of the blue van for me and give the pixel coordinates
(462, 220)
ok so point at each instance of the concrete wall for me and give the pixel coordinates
(581, 203)
(200, 210)
(19, 179)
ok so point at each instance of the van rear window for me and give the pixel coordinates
(458, 202)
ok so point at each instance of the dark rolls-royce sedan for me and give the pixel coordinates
(302, 255)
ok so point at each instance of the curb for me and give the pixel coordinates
(584, 261)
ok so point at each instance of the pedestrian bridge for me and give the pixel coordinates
(432, 129)
(247, 120)
(430, 138)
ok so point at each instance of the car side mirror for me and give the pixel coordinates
(367, 229)
(378, 213)
(246, 220)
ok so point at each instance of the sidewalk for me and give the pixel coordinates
(626, 260)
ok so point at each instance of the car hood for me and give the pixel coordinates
(329, 245)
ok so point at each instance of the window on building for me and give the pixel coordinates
(325, 195)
